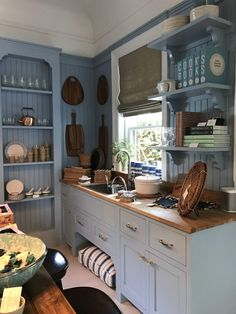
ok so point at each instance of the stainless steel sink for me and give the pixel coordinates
(100, 188)
(104, 188)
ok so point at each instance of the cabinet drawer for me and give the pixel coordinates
(132, 225)
(103, 238)
(83, 224)
(168, 242)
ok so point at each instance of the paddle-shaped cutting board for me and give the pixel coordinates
(72, 91)
(103, 137)
(74, 137)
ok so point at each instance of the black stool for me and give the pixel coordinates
(88, 300)
(56, 265)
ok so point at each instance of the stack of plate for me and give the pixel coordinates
(210, 9)
(174, 22)
(15, 190)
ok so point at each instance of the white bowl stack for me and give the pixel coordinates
(202, 10)
(174, 22)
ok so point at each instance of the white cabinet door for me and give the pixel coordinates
(167, 287)
(68, 224)
(134, 274)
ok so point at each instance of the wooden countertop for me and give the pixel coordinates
(170, 217)
(43, 296)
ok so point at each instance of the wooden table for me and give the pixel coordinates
(43, 296)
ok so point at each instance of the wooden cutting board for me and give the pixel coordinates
(72, 91)
(74, 137)
(102, 90)
(103, 138)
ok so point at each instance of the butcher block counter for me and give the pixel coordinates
(193, 223)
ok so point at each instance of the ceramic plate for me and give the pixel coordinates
(15, 187)
(15, 149)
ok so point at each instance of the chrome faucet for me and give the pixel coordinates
(123, 150)
(114, 186)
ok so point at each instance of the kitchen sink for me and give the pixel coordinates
(103, 188)
(100, 188)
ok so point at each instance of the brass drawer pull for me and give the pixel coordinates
(143, 258)
(102, 237)
(131, 227)
(166, 244)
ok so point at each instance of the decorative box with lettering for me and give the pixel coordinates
(197, 66)
(179, 74)
(185, 72)
(214, 65)
(190, 70)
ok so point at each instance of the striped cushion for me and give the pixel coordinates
(99, 263)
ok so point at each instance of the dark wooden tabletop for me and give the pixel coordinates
(43, 296)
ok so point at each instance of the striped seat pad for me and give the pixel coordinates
(99, 263)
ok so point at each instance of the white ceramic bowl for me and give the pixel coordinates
(147, 185)
(21, 242)
(210, 9)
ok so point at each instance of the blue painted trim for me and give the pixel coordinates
(76, 60)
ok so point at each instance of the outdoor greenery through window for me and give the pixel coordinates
(142, 132)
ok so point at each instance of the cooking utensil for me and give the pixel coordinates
(74, 137)
(72, 91)
(103, 138)
(97, 159)
(147, 185)
(102, 90)
(27, 119)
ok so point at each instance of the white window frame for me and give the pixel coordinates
(139, 41)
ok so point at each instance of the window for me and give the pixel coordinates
(144, 131)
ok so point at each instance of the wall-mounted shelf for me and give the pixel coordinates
(214, 27)
(20, 127)
(25, 90)
(191, 91)
(40, 198)
(28, 163)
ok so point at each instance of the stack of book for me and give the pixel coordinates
(207, 140)
(206, 130)
(184, 120)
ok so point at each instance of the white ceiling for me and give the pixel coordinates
(81, 27)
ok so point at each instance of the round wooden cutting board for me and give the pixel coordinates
(72, 91)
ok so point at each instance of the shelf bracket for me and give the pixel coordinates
(217, 98)
(172, 53)
(177, 157)
(219, 159)
(217, 36)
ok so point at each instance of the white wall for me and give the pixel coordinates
(80, 27)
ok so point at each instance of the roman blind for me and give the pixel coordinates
(140, 71)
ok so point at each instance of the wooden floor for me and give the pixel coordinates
(77, 275)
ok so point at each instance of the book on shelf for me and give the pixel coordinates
(209, 145)
(185, 119)
(216, 129)
(215, 137)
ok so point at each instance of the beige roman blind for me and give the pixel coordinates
(140, 71)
